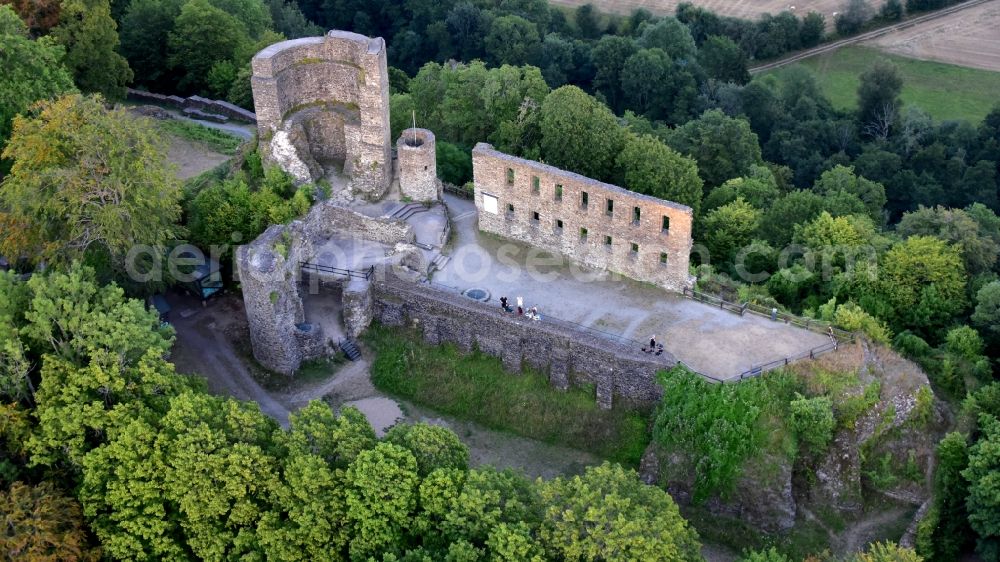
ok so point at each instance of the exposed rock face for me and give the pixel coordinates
(323, 107)
(767, 496)
(591, 222)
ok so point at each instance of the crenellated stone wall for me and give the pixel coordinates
(569, 357)
(416, 150)
(322, 106)
(545, 207)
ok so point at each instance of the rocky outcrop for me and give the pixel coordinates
(762, 497)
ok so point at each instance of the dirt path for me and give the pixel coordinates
(202, 348)
(350, 382)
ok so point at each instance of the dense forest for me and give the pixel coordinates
(879, 220)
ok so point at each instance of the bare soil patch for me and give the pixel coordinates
(965, 38)
(192, 158)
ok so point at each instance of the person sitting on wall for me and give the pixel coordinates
(520, 306)
(503, 305)
(533, 313)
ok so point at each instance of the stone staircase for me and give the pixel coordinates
(408, 210)
(350, 349)
(439, 263)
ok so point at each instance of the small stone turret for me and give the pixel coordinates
(417, 153)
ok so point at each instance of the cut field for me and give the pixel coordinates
(967, 38)
(746, 9)
(944, 91)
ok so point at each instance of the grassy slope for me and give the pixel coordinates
(475, 387)
(215, 139)
(944, 91)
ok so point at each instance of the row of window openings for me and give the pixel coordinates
(584, 234)
(636, 214)
(584, 200)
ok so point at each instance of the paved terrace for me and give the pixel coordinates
(712, 341)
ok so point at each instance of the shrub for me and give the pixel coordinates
(852, 318)
(911, 345)
(813, 422)
(718, 426)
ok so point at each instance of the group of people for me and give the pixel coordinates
(531, 313)
(654, 348)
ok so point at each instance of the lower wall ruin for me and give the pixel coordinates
(569, 357)
(270, 276)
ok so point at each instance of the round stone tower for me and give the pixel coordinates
(417, 155)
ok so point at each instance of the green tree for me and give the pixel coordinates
(887, 552)
(924, 281)
(82, 174)
(813, 422)
(671, 36)
(608, 514)
(813, 29)
(585, 18)
(513, 40)
(724, 60)
(797, 207)
(759, 189)
(842, 179)
(432, 446)
(987, 313)
(728, 229)
(947, 529)
(648, 166)
(580, 134)
(878, 98)
(609, 56)
(308, 520)
(454, 164)
(204, 35)
(33, 71)
(724, 147)
(338, 440)
(105, 363)
(145, 31)
(983, 475)
(90, 37)
(648, 82)
(217, 470)
(769, 555)
(957, 227)
(381, 496)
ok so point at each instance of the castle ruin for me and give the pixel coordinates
(322, 107)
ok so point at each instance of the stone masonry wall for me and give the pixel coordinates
(542, 196)
(568, 356)
(416, 151)
(343, 76)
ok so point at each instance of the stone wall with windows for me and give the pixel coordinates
(594, 223)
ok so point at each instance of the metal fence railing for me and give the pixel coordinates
(460, 191)
(774, 314)
(836, 336)
(365, 274)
